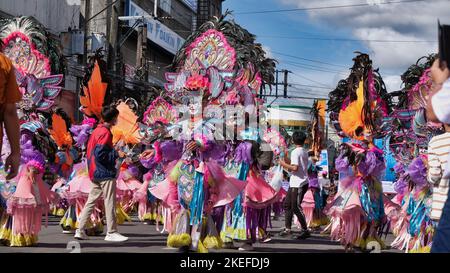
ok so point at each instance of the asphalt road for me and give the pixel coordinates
(146, 239)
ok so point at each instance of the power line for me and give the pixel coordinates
(348, 40)
(328, 7)
(306, 78)
(315, 69)
(306, 85)
(310, 65)
(305, 59)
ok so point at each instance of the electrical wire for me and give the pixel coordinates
(327, 7)
(306, 59)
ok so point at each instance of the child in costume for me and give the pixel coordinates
(312, 202)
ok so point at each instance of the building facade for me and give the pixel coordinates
(168, 22)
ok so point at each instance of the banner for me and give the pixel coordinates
(156, 31)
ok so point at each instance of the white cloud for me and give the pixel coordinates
(393, 55)
(402, 21)
(392, 82)
(268, 51)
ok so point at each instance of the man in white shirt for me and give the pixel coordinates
(298, 185)
(438, 110)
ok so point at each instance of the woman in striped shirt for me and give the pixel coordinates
(438, 150)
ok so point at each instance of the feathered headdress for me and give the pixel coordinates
(223, 63)
(315, 128)
(94, 88)
(127, 128)
(30, 46)
(35, 57)
(59, 132)
(407, 125)
(360, 102)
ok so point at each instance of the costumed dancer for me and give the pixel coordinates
(211, 81)
(358, 106)
(79, 184)
(27, 44)
(312, 202)
(29, 202)
(414, 228)
(64, 158)
(275, 175)
(157, 121)
(126, 134)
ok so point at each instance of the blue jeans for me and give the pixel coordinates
(441, 240)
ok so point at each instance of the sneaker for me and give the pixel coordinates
(246, 247)
(80, 235)
(285, 232)
(303, 235)
(115, 237)
(68, 231)
(266, 239)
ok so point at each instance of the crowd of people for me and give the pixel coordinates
(168, 164)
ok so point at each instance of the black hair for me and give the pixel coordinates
(298, 137)
(109, 113)
(311, 153)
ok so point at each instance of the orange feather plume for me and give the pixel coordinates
(351, 119)
(59, 132)
(94, 94)
(127, 128)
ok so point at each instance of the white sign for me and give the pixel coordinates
(156, 31)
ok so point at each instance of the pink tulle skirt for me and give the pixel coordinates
(258, 193)
(308, 206)
(392, 210)
(346, 213)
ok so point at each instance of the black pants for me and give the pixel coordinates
(292, 205)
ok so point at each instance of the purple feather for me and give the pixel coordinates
(401, 185)
(171, 150)
(341, 164)
(244, 153)
(418, 172)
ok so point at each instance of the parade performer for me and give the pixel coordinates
(358, 106)
(409, 139)
(312, 202)
(65, 156)
(158, 118)
(126, 134)
(35, 57)
(210, 72)
(29, 202)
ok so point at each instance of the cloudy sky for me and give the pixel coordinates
(317, 44)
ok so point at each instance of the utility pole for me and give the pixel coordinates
(141, 52)
(285, 83)
(113, 29)
(87, 14)
(276, 83)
